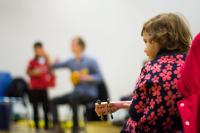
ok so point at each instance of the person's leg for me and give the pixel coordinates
(54, 103)
(34, 100)
(35, 111)
(75, 100)
(75, 118)
(45, 104)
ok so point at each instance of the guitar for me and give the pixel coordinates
(75, 76)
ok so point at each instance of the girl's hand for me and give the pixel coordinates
(47, 57)
(45, 53)
(104, 108)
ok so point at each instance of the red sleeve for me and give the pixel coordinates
(30, 65)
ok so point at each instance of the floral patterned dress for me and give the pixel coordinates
(153, 107)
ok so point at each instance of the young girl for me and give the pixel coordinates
(154, 104)
(39, 72)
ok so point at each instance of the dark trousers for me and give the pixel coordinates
(73, 99)
(38, 97)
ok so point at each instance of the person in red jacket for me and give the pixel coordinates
(189, 86)
(38, 71)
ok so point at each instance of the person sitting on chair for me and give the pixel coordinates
(85, 75)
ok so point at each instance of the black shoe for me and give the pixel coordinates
(75, 130)
(46, 127)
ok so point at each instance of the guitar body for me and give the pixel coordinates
(75, 76)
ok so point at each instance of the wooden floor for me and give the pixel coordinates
(93, 127)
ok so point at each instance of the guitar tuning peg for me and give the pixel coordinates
(99, 102)
(108, 101)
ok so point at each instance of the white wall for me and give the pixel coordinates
(111, 29)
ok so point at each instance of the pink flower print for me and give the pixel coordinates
(174, 83)
(166, 75)
(156, 90)
(131, 125)
(142, 95)
(140, 84)
(147, 63)
(142, 76)
(161, 111)
(167, 124)
(180, 62)
(171, 60)
(143, 119)
(158, 99)
(139, 80)
(148, 76)
(165, 57)
(167, 86)
(146, 129)
(169, 98)
(168, 67)
(139, 107)
(155, 79)
(178, 94)
(172, 110)
(148, 68)
(146, 110)
(143, 89)
(152, 118)
(179, 56)
(152, 103)
(156, 68)
(177, 72)
(135, 96)
(162, 60)
(143, 71)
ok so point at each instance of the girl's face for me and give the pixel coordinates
(151, 48)
(39, 51)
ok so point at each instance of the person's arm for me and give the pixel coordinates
(104, 108)
(138, 102)
(97, 76)
(61, 65)
(31, 71)
(48, 59)
(34, 72)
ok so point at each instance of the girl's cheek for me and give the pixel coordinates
(146, 51)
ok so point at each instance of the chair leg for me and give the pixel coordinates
(85, 121)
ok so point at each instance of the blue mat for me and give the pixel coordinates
(5, 81)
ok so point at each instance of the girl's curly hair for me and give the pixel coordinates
(170, 31)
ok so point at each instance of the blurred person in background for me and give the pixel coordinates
(85, 76)
(39, 72)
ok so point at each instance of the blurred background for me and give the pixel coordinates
(110, 28)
